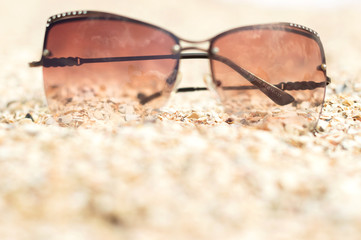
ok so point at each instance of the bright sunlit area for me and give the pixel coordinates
(294, 4)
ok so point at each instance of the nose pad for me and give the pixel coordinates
(208, 80)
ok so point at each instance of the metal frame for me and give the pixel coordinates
(275, 92)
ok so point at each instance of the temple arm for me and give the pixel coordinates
(304, 85)
(290, 86)
(275, 94)
(77, 61)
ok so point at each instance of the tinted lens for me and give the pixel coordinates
(287, 57)
(98, 67)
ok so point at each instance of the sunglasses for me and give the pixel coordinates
(99, 65)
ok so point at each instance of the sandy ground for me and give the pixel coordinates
(200, 178)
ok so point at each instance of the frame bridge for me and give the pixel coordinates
(193, 48)
(202, 46)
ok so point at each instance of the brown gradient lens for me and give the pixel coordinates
(94, 90)
(285, 56)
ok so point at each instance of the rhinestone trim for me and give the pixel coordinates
(61, 15)
(304, 28)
